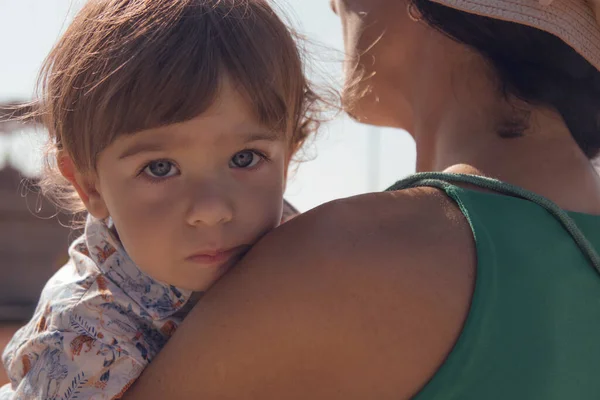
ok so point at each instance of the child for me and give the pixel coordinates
(173, 123)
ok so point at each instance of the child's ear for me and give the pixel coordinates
(86, 185)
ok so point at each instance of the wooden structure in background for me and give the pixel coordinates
(33, 243)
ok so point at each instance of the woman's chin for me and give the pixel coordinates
(359, 109)
(370, 109)
(369, 113)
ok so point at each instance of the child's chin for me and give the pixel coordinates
(200, 282)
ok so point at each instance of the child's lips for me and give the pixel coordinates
(213, 258)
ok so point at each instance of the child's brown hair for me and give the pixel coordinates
(124, 66)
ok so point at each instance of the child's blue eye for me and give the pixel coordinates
(245, 159)
(160, 169)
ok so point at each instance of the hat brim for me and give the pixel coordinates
(573, 21)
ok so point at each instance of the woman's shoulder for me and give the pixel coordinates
(359, 298)
(408, 219)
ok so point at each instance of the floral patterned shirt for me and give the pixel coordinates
(99, 322)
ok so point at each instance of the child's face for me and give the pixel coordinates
(189, 199)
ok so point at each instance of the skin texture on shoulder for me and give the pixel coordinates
(348, 301)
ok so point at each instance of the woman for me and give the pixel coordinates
(443, 290)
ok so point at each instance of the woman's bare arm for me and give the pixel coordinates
(335, 304)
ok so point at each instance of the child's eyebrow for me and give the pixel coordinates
(268, 136)
(141, 148)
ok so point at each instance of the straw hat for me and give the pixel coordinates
(576, 22)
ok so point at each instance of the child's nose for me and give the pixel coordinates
(210, 207)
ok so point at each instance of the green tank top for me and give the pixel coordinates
(533, 330)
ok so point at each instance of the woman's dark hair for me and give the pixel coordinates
(531, 65)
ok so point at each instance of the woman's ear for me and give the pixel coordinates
(86, 185)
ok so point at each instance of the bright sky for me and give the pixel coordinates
(345, 159)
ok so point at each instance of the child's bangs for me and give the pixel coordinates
(170, 71)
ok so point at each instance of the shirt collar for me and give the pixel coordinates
(160, 300)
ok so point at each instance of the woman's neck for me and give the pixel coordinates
(457, 127)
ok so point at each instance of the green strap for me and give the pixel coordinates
(441, 181)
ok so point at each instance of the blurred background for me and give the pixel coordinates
(345, 158)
